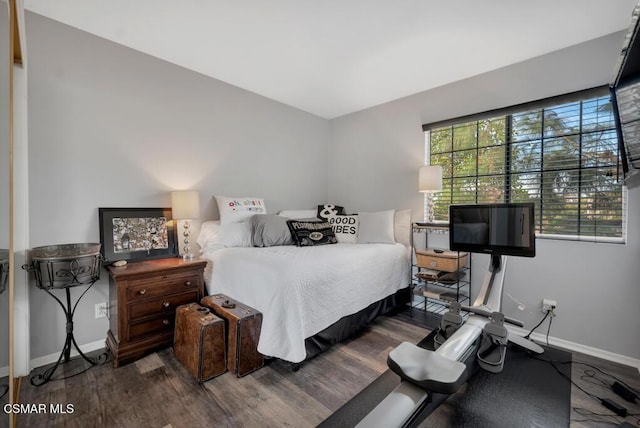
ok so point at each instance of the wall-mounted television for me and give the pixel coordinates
(625, 91)
(497, 229)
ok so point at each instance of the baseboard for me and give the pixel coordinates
(52, 358)
(577, 347)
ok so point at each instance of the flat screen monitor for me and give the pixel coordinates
(497, 229)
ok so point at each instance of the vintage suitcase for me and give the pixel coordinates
(199, 341)
(243, 331)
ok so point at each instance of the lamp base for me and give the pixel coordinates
(430, 210)
(188, 256)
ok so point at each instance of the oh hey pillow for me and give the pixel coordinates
(236, 210)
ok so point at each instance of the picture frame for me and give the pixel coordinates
(133, 234)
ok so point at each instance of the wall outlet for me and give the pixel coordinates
(102, 310)
(549, 305)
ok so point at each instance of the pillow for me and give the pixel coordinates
(209, 231)
(345, 227)
(236, 234)
(213, 234)
(298, 214)
(234, 210)
(268, 230)
(402, 227)
(376, 227)
(328, 210)
(309, 233)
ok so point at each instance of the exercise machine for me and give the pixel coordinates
(424, 373)
(502, 229)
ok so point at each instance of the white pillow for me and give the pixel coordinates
(234, 210)
(209, 233)
(345, 227)
(376, 227)
(236, 234)
(402, 227)
(213, 234)
(297, 214)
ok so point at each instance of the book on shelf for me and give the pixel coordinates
(444, 296)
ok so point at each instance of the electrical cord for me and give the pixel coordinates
(538, 325)
(585, 412)
(595, 397)
(553, 314)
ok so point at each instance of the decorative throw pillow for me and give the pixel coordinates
(328, 210)
(309, 233)
(376, 227)
(269, 230)
(234, 210)
(345, 227)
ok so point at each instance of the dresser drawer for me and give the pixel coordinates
(160, 305)
(152, 327)
(146, 288)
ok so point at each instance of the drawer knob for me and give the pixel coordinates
(165, 322)
(165, 277)
(165, 304)
(187, 283)
(143, 291)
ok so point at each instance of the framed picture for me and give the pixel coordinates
(136, 234)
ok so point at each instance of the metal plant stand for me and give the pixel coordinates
(63, 267)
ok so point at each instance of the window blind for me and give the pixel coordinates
(561, 155)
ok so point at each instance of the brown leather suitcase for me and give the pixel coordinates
(199, 341)
(243, 325)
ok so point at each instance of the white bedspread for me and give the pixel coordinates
(302, 290)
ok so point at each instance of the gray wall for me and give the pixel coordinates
(111, 127)
(374, 157)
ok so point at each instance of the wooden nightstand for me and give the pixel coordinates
(143, 297)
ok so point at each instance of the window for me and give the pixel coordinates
(561, 154)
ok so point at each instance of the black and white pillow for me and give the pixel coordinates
(329, 210)
(345, 228)
(310, 233)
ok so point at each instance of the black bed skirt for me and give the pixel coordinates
(350, 324)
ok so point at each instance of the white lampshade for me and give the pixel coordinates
(185, 204)
(430, 178)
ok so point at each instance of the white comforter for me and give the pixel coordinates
(302, 290)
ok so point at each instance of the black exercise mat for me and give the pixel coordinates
(528, 393)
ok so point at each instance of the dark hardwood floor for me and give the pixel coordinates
(157, 391)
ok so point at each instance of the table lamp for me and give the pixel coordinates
(185, 205)
(429, 182)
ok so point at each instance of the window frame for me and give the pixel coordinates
(508, 113)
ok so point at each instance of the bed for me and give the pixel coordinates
(311, 297)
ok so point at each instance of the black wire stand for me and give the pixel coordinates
(64, 267)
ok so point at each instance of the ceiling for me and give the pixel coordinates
(334, 57)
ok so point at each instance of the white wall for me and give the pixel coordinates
(111, 127)
(374, 157)
(5, 65)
